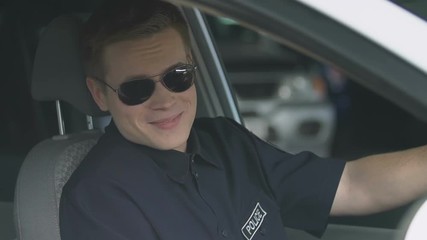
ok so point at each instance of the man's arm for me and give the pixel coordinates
(381, 182)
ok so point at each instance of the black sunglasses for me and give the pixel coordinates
(178, 79)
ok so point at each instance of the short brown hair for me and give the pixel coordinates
(120, 20)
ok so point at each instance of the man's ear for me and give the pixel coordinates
(98, 93)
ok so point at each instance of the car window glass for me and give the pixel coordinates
(271, 83)
(298, 104)
(277, 87)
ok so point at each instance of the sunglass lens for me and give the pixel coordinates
(179, 79)
(136, 92)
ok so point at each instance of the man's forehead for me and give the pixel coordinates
(151, 54)
(166, 40)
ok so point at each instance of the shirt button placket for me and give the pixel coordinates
(195, 173)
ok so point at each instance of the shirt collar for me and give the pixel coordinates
(195, 147)
(176, 164)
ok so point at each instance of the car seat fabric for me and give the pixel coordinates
(44, 172)
(57, 75)
(70, 159)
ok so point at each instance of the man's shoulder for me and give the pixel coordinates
(106, 160)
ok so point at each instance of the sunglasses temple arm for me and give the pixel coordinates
(106, 84)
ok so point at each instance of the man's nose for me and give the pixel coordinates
(161, 98)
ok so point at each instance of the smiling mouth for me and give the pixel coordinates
(168, 123)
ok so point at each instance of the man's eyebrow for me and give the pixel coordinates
(145, 76)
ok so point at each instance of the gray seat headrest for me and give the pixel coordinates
(58, 71)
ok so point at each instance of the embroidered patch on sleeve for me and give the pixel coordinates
(254, 222)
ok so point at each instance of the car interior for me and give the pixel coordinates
(49, 121)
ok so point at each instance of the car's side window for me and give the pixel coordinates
(298, 103)
(282, 94)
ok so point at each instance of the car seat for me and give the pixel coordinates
(57, 76)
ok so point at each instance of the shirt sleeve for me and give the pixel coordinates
(101, 210)
(303, 185)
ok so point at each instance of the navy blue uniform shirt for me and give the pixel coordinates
(229, 185)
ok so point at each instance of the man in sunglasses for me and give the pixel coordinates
(157, 173)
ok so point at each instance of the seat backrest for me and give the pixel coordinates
(44, 172)
(57, 75)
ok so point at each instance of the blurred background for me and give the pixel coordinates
(297, 103)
